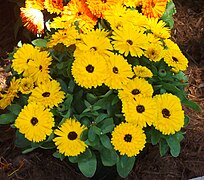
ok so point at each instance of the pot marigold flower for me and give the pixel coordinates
(54, 6)
(154, 8)
(142, 71)
(128, 139)
(170, 116)
(68, 140)
(35, 122)
(118, 72)
(89, 70)
(132, 3)
(141, 111)
(26, 85)
(33, 20)
(48, 94)
(154, 52)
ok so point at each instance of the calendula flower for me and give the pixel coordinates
(7, 96)
(142, 71)
(171, 45)
(89, 70)
(129, 40)
(175, 59)
(35, 122)
(158, 28)
(134, 88)
(141, 111)
(170, 116)
(48, 94)
(132, 3)
(118, 71)
(54, 6)
(98, 7)
(154, 52)
(33, 20)
(154, 8)
(95, 42)
(68, 140)
(26, 85)
(22, 57)
(36, 4)
(128, 139)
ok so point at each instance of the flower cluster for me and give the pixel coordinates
(106, 80)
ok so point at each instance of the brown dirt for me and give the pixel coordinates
(188, 33)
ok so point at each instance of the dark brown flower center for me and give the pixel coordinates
(135, 91)
(90, 68)
(175, 59)
(104, 1)
(166, 113)
(29, 60)
(40, 67)
(34, 121)
(128, 138)
(46, 94)
(79, 13)
(129, 42)
(115, 70)
(94, 48)
(72, 135)
(140, 108)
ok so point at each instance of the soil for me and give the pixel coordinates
(188, 33)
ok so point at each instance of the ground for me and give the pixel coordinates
(188, 33)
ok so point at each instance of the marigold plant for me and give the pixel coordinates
(105, 81)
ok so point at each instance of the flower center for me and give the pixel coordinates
(115, 70)
(34, 121)
(90, 68)
(29, 60)
(135, 91)
(46, 94)
(166, 113)
(129, 42)
(40, 67)
(128, 138)
(93, 48)
(140, 108)
(175, 59)
(72, 135)
(104, 1)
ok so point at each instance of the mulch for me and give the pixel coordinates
(188, 33)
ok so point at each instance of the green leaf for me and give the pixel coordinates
(91, 134)
(21, 141)
(186, 120)
(97, 130)
(48, 145)
(15, 109)
(155, 136)
(174, 145)
(125, 165)
(68, 101)
(105, 140)
(63, 85)
(85, 156)
(109, 157)
(58, 155)
(84, 135)
(7, 118)
(101, 117)
(29, 150)
(163, 147)
(108, 128)
(191, 104)
(88, 167)
(39, 42)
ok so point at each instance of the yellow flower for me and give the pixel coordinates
(154, 52)
(141, 111)
(154, 8)
(134, 88)
(89, 70)
(54, 6)
(118, 71)
(48, 94)
(26, 85)
(142, 71)
(128, 139)
(132, 3)
(33, 20)
(35, 122)
(129, 40)
(170, 117)
(36, 4)
(68, 141)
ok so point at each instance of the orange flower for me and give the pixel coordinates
(154, 8)
(98, 7)
(36, 4)
(54, 6)
(33, 20)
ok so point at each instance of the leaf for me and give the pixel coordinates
(88, 167)
(21, 141)
(63, 85)
(109, 157)
(28, 150)
(68, 101)
(58, 155)
(174, 145)
(15, 109)
(39, 42)
(85, 156)
(125, 165)
(48, 145)
(155, 136)
(163, 147)
(84, 135)
(91, 134)
(191, 104)
(101, 117)
(7, 118)
(186, 120)
(105, 140)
